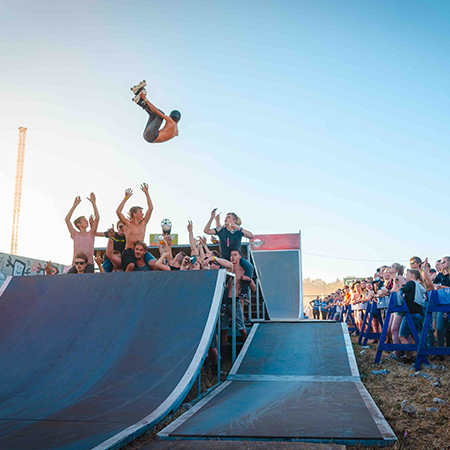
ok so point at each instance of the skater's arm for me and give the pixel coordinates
(157, 111)
(148, 214)
(76, 202)
(208, 229)
(122, 218)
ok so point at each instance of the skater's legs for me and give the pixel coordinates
(151, 131)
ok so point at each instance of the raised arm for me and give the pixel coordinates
(76, 202)
(222, 262)
(122, 218)
(208, 229)
(246, 233)
(98, 260)
(94, 225)
(159, 265)
(115, 259)
(148, 214)
(190, 228)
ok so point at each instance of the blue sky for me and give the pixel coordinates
(328, 117)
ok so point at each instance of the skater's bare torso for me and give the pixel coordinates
(168, 131)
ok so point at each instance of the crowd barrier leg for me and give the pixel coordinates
(349, 316)
(439, 301)
(396, 304)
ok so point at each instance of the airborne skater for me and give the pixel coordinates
(152, 133)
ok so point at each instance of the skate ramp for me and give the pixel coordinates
(293, 382)
(279, 274)
(92, 361)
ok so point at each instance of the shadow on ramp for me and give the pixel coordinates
(93, 361)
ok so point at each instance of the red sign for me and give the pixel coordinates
(275, 242)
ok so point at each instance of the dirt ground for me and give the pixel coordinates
(422, 430)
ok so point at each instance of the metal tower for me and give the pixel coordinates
(18, 189)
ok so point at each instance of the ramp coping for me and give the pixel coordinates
(244, 349)
(350, 353)
(5, 284)
(164, 434)
(382, 424)
(305, 378)
(150, 420)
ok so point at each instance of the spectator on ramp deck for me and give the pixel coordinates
(81, 263)
(118, 245)
(113, 257)
(83, 240)
(135, 229)
(230, 238)
(140, 265)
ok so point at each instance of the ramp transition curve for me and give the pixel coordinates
(92, 361)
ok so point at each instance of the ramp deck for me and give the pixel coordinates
(292, 381)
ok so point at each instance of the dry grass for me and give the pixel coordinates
(423, 430)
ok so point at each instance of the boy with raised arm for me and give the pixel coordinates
(83, 240)
(230, 237)
(135, 229)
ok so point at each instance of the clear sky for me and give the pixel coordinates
(331, 117)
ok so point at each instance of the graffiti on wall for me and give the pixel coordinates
(22, 266)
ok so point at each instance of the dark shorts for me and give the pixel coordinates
(128, 258)
(227, 309)
(89, 269)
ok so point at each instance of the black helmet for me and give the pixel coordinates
(176, 115)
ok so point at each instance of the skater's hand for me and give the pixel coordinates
(189, 226)
(128, 193)
(144, 188)
(213, 213)
(77, 201)
(91, 198)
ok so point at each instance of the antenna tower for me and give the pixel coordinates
(18, 189)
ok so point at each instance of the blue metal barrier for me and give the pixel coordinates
(439, 301)
(397, 304)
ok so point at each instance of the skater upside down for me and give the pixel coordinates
(152, 133)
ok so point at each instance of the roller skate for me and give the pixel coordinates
(138, 87)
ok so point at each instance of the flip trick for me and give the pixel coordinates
(152, 133)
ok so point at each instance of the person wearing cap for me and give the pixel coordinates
(152, 132)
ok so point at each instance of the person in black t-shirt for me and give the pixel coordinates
(415, 298)
(230, 237)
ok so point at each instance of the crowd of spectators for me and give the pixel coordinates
(413, 283)
(126, 251)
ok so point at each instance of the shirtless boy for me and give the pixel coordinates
(135, 229)
(83, 240)
(152, 133)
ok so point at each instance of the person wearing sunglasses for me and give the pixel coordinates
(83, 240)
(80, 262)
